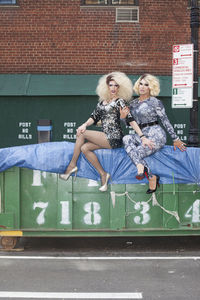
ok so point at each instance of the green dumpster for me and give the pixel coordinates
(35, 203)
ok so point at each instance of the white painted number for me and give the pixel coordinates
(43, 205)
(37, 177)
(194, 212)
(143, 208)
(65, 213)
(92, 217)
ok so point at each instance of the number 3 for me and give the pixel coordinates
(144, 207)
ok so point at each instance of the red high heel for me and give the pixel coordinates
(142, 175)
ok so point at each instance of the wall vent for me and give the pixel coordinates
(127, 14)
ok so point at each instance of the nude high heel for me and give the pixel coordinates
(104, 187)
(149, 191)
(67, 175)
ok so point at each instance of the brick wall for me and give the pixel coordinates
(61, 37)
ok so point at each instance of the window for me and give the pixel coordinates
(127, 14)
(190, 3)
(126, 10)
(10, 2)
(110, 2)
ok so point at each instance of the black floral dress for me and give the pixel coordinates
(109, 115)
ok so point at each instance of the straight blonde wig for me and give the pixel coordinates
(154, 85)
(125, 90)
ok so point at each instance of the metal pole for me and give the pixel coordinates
(193, 139)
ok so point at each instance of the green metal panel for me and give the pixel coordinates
(12, 195)
(170, 203)
(18, 122)
(39, 199)
(67, 100)
(40, 204)
(53, 85)
(117, 206)
(140, 213)
(189, 210)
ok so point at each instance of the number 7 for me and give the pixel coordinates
(43, 205)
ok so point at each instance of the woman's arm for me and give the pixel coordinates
(168, 126)
(81, 129)
(145, 140)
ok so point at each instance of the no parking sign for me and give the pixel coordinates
(182, 76)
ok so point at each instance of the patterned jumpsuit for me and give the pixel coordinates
(109, 115)
(147, 111)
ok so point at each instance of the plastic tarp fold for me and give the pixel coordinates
(172, 166)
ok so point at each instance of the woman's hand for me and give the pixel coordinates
(180, 145)
(81, 129)
(124, 112)
(147, 142)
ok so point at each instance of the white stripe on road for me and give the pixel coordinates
(102, 257)
(36, 295)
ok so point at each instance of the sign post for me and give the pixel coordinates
(193, 137)
(182, 76)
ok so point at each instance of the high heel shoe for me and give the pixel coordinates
(142, 175)
(67, 175)
(149, 191)
(104, 187)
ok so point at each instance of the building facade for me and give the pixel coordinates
(76, 37)
(54, 51)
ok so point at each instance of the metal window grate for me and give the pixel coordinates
(8, 2)
(127, 15)
(110, 2)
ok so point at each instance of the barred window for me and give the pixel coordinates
(110, 2)
(190, 3)
(10, 2)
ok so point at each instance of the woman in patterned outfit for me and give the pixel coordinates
(146, 111)
(113, 90)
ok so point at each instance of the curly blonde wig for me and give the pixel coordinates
(154, 85)
(125, 90)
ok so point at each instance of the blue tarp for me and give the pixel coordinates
(172, 166)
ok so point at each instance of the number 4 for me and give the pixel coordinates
(194, 212)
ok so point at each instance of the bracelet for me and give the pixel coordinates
(142, 136)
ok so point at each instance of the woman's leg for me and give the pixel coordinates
(96, 140)
(136, 151)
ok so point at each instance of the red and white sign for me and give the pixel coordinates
(182, 66)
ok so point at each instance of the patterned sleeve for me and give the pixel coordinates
(164, 119)
(122, 103)
(96, 114)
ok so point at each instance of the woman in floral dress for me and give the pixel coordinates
(114, 90)
(147, 110)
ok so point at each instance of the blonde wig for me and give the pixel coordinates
(125, 90)
(154, 85)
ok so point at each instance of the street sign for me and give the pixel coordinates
(182, 76)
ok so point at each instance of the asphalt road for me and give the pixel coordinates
(102, 268)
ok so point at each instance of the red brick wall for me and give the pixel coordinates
(60, 37)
